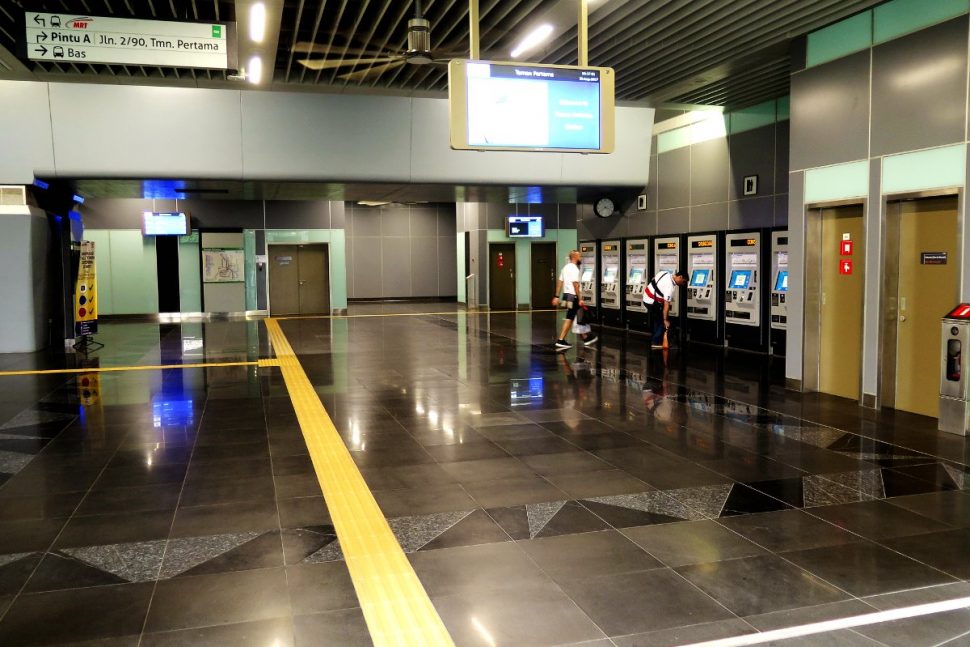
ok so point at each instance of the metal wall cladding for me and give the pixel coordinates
(919, 89)
(709, 217)
(830, 113)
(673, 221)
(753, 213)
(753, 153)
(782, 154)
(709, 171)
(674, 172)
(297, 214)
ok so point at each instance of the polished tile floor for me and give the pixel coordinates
(600, 496)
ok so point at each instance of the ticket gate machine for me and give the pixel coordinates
(668, 256)
(703, 288)
(611, 278)
(743, 302)
(588, 274)
(636, 263)
(779, 292)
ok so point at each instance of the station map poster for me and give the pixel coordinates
(85, 293)
(223, 265)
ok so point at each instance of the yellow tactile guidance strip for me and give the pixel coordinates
(152, 367)
(396, 607)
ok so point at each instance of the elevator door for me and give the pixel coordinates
(928, 288)
(840, 317)
(299, 282)
(501, 277)
(543, 274)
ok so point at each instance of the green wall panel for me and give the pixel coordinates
(841, 39)
(930, 169)
(837, 182)
(783, 110)
(102, 267)
(190, 275)
(753, 117)
(672, 139)
(901, 17)
(249, 272)
(460, 259)
(133, 273)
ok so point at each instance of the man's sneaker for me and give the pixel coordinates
(590, 341)
(657, 346)
(563, 344)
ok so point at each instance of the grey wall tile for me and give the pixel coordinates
(673, 221)
(651, 188)
(447, 220)
(567, 216)
(830, 112)
(919, 89)
(753, 153)
(395, 263)
(228, 214)
(782, 153)
(549, 213)
(297, 214)
(709, 171)
(673, 178)
(395, 221)
(796, 263)
(752, 213)
(709, 217)
(642, 223)
(496, 214)
(424, 267)
(781, 210)
(448, 272)
(424, 221)
(338, 216)
(366, 222)
(366, 271)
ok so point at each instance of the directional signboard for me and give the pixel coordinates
(122, 41)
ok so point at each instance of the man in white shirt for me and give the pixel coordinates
(568, 286)
(657, 295)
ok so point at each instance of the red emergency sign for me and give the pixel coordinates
(845, 267)
(845, 249)
(501, 260)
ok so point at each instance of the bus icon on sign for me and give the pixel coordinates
(55, 21)
(58, 52)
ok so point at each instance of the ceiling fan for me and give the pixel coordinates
(418, 52)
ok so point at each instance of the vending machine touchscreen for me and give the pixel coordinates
(779, 291)
(610, 289)
(703, 320)
(666, 258)
(635, 261)
(589, 270)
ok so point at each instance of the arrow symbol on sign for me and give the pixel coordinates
(43, 50)
(42, 37)
(845, 266)
(40, 21)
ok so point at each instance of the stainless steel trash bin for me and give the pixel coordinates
(954, 371)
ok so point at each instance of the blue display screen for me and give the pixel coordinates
(526, 227)
(533, 107)
(781, 281)
(698, 278)
(636, 275)
(740, 280)
(528, 389)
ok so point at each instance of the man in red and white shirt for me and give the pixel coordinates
(657, 295)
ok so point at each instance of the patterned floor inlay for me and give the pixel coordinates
(185, 553)
(413, 533)
(135, 562)
(540, 514)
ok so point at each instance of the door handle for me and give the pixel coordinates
(302, 282)
(902, 317)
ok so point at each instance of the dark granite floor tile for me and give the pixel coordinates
(141, 476)
(877, 519)
(29, 535)
(262, 551)
(686, 635)
(808, 615)
(896, 484)
(426, 500)
(865, 568)
(513, 491)
(537, 614)
(76, 615)
(207, 600)
(602, 483)
(304, 544)
(628, 603)
(230, 517)
(14, 571)
(945, 551)
(476, 528)
(297, 485)
(315, 588)
(38, 507)
(567, 463)
(952, 508)
(787, 530)
(745, 500)
(755, 585)
(475, 568)
(692, 542)
(60, 571)
(228, 470)
(466, 452)
(147, 498)
(487, 470)
(303, 511)
(345, 627)
(98, 530)
(277, 632)
(588, 554)
(286, 465)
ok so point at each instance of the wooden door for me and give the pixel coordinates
(501, 276)
(543, 274)
(284, 280)
(314, 285)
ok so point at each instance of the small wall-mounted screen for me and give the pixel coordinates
(164, 224)
(698, 278)
(587, 275)
(526, 227)
(781, 281)
(740, 280)
(636, 275)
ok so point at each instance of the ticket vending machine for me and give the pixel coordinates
(588, 273)
(743, 301)
(777, 335)
(611, 288)
(703, 291)
(636, 265)
(668, 256)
